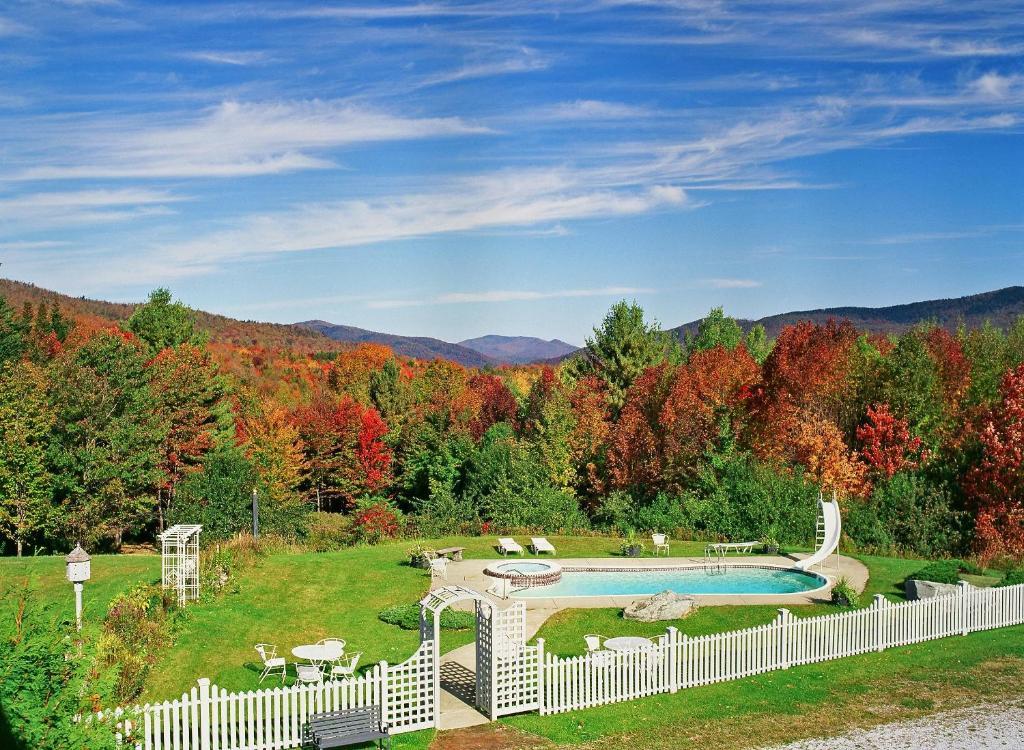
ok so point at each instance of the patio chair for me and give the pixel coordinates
(272, 663)
(507, 545)
(439, 567)
(593, 642)
(540, 544)
(346, 670)
(309, 674)
(336, 643)
(660, 543)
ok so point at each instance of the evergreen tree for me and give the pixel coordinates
(12, 333)
(162, 323)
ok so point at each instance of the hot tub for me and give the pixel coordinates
(523, 574)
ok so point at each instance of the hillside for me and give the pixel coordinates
(518, 350)
(417, 347)
(1000, 307)
(91, 314)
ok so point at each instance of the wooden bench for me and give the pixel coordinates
(352, 726)
(452, 553)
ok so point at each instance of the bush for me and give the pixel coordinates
(135, 630)
(1012, 578)
(942, 571)
(327, 532)
(844, 595)
(407, 617)
(376, 521)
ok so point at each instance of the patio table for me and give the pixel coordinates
(318, 653)
(627, 643)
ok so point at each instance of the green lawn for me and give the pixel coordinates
(294, 598)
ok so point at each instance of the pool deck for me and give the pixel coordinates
(470, 573)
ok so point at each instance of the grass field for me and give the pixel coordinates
(293, 598)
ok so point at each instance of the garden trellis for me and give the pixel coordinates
(180, 561)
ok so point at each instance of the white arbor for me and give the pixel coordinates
(180, 561)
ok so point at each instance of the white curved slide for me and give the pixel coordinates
(833, 529)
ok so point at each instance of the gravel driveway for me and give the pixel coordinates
(989, 727)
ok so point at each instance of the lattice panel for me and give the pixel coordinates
(410, 691)
(484, 655)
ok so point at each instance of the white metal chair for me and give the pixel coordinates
(507, 545)
(540, 544)
(660, 543)
(347, 669)
(439, 567)
(593, 641)
(309, 674)
(272, 663)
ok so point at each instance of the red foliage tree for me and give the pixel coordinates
(372, 452)
(886, 443)
(996, 483)
(497, 404)
(635, 444)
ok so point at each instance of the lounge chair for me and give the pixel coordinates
(507, 545)
(540, 544)
(272, 663)
(660, 543)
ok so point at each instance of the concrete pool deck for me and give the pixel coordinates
(470, 573)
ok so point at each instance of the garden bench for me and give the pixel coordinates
(452, 553)
(351, 726)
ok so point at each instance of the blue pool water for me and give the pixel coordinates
(681, 581)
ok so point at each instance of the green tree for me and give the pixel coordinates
(913, 388)
(758, 344)
(622, 348)
(985, 348)
(219, 496)
(163, 323)
(12, 333)
(25, 481)
(717, 329)
(106, 451)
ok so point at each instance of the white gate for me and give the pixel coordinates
(508, 670)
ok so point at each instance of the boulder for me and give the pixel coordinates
(667, 605)
(916, 589)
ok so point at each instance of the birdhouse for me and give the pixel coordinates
(78, 565)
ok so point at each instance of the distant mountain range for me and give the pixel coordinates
(518, 349)
(1001, 308)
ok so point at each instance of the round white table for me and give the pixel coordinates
(318, 653)
(627, 643)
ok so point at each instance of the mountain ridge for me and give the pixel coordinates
(518, 350)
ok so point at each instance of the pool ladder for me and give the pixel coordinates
(713, 560)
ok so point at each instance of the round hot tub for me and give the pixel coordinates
(526, 574)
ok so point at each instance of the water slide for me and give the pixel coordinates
(833, 527)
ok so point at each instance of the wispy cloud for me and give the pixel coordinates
(499, 296)
(233, 57)
(45, 210)
(723, 283)
(229, 140)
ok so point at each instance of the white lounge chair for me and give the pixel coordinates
(540, 544)
(660, 543)
(272, 663)
(309, 674)
(593, 641)
(347, 668)
(507, 545)
(439, 567)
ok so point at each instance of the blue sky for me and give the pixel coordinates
(512, 167)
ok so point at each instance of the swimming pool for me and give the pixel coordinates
(696, 580)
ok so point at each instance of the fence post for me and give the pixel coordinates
(879, 606)
(383, 667)
(673, 643)
(783, 621)
(205, 733)
(540, 675)
(963, 591)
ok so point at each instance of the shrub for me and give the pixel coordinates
(134, 631)
(1012, 578)
(327, 532)
(407, 617)
(941, 571)
(376, 522)
(844, 595)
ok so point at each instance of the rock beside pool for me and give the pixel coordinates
(928, 589)
(667, 605)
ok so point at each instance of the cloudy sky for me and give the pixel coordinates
(454, 169)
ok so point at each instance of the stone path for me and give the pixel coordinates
(988, 727)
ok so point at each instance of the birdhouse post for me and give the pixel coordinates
(79, 571)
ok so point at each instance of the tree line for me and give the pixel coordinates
(110, 435)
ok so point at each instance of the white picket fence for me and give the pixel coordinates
(677, 662)
(209, 718)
